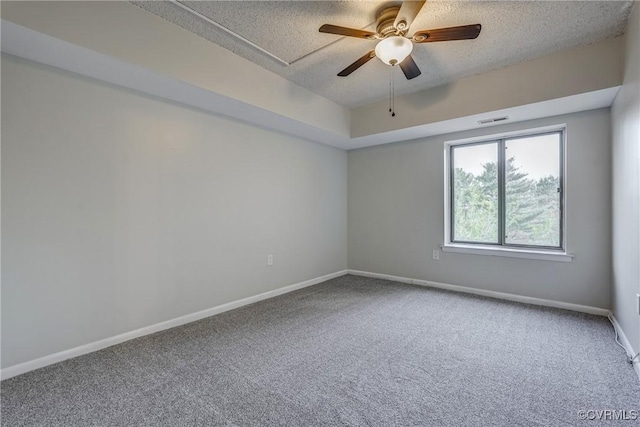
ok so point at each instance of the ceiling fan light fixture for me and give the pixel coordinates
(393, 50)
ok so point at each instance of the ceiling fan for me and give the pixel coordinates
(394, 46)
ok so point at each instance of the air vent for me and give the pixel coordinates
(493, 120)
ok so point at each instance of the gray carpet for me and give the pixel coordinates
(350, 351)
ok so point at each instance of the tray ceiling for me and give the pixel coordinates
(512, 32)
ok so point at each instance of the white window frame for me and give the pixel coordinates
(496, 250)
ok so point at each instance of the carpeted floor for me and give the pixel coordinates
(350, 351)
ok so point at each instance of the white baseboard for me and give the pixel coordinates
(625, 343)
(487, 293)
(41, 362)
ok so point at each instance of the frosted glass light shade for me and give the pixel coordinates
(393, 50)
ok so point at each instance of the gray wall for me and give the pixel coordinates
(396, 194)
(120, 211)
(626, 188)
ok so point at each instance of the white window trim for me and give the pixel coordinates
(504, 251)
(507, 252)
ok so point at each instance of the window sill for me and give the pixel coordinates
(508, 252)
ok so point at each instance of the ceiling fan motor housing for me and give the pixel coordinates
(386, 20)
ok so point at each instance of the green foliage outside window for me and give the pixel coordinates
(532, 207)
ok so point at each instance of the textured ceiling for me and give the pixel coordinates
(512, 32)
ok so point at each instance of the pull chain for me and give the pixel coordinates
(390, 91)
(393, 94)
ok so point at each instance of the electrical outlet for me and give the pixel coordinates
(270, 259)
(436, 254)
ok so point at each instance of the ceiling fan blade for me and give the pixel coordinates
(464, 32)
(359, 63)
(349, 32)
(407, 13)
(410, 68)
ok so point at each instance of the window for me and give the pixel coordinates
(507, 192)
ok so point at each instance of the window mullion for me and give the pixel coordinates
(501, 191)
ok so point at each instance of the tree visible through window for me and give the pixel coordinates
(508, 191)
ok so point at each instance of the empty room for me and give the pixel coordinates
(305, 213)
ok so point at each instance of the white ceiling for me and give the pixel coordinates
(512, 32)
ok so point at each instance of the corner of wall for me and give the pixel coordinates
(625, 189)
